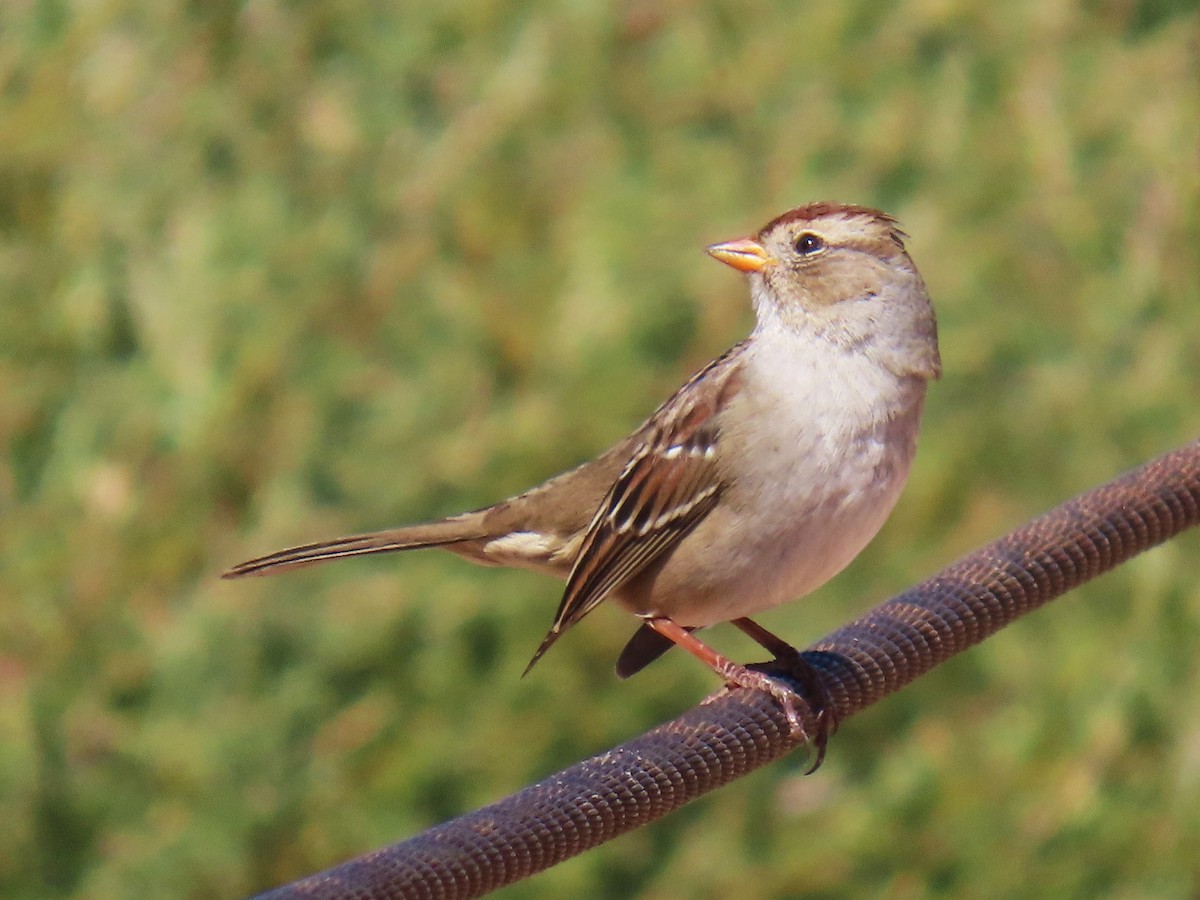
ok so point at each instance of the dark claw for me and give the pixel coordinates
(815, 695)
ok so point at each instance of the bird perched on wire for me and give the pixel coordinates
(757, 481)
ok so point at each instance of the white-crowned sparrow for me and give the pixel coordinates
(756, 482)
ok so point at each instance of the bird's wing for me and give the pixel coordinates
(669, 484)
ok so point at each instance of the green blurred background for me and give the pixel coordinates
(273, 272)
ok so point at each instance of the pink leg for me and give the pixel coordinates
(769, 641)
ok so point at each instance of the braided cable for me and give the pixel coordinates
(736, 731)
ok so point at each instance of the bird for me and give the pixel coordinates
(756, 482)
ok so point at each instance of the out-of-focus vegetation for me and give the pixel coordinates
(276, 272)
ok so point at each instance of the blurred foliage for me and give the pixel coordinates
(275, 271)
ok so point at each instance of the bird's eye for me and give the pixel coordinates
(808, 244)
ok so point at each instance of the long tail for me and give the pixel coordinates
(455, 530)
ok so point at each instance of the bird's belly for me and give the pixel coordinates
(791, 563)
(772, 569)
(799, 522)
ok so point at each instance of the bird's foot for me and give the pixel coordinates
(815, 697)
(793, 663)
(788, 660)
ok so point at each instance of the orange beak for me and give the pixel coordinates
(745, 255)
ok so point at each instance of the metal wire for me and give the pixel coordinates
(737, 731)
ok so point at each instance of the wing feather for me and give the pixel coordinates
(668, 486)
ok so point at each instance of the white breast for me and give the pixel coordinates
(831, 435)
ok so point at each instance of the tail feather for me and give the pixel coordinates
(411, 537)
(643, 648)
